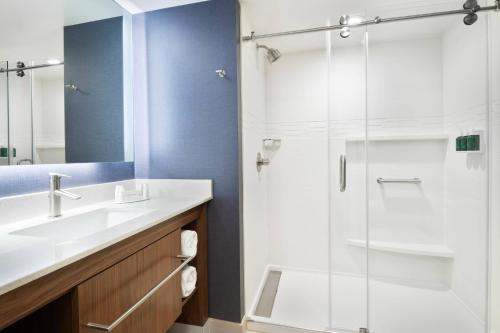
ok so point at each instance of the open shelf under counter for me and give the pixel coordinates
(418, 249)
(382, 138)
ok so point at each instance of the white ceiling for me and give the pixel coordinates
(268, 16)
(78, 11)
(32, 30)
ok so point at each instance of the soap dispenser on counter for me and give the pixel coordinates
(123, 196)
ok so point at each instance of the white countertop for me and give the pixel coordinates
(24, 258)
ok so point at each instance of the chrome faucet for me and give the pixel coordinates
(55, 194)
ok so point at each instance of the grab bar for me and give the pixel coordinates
(109, 328)
(343, 173)
(405, 181)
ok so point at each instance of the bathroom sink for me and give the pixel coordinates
(73, 228)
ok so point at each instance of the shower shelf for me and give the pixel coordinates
(431, 137)
(418, 249)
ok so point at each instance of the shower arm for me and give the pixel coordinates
(375, 21)
(260, 46)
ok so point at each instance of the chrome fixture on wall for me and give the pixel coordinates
(71, 87)
(20, 72)
(21, 66)
(402, 181)
(261, 161)
(222, 73)
(272, 54)
(345, 32)
(470, 10)
(471, 18)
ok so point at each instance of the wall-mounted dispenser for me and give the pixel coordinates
(271, 143)
(470, 143)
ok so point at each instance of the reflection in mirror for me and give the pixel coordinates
(4, 127)
(65, 83)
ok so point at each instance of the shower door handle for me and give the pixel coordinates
(343, 173)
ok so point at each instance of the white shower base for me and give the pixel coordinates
(302, 302)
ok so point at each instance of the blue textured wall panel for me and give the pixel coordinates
(193, 124)
(93, 56)
(15, 180)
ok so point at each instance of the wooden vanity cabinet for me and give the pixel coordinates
(103, 287)
(108, 295)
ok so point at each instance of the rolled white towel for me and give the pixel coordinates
(188, 277)
(189, 243)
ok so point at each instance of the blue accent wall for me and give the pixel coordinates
(93, 56)
(188, 122)
(15, 180)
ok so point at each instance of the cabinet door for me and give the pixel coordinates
(107, 296)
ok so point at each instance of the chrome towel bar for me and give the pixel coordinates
(405, 181)
(126, 314)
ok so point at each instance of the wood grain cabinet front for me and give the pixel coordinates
(106, 301)
(133, 286)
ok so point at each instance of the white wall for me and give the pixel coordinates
(297, 111)
(20, 116)
(426, 86)
(466, 182)
(255, 227)
(400, 74)
(296, 96)
(48, 120)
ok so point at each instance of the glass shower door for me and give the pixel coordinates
(293, 137)
(347, 164)
(427, 197)
(4, 115)
(20, 116)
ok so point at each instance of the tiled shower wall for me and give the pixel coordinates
(415, 87)
(253, 117)
(466, 175)
(297, 110)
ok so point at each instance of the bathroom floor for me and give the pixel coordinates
(301, 301)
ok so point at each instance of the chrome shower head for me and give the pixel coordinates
(272, 54)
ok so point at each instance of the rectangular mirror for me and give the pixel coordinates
(65, 82)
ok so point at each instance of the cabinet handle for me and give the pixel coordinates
(108, 328)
